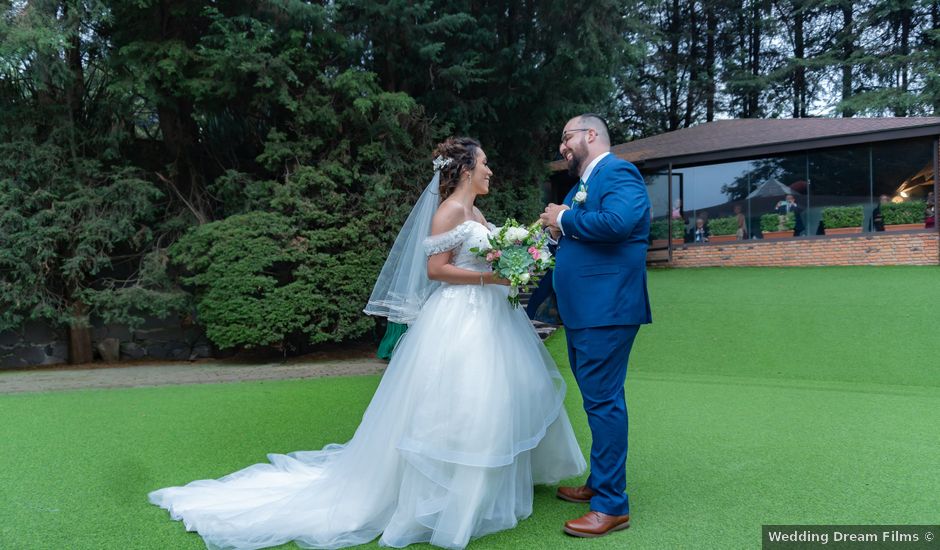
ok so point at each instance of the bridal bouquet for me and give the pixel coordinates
(518, 254)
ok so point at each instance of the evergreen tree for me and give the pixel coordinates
(75, 216)
(509, 72)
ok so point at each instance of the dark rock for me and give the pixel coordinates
(109, 349)
(130, 350)
(121, 332)
(178, 353)
(200, 351)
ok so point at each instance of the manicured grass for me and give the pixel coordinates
(757, 396)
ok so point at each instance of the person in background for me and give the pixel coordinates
(877, 217)
(930, 214)
(741, 233)
(699, 233)
(789, 205)
(393, 333)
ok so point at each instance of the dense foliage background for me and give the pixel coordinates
(247, 163)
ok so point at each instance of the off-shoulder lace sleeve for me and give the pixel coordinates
(435, 244)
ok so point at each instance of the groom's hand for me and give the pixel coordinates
(550, 216)
(549, 219)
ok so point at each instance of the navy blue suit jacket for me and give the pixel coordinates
(600, 264)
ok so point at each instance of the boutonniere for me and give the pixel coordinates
(581, 195)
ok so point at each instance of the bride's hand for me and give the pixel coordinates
(548, 224)
(552, 231)
(491, 278)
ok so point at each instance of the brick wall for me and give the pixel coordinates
(866, 249)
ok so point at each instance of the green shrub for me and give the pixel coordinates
(659, 229)
(771, 222)
(293, 262)
(723, 226)
(260, 280)
(244, 272)
(903, 212)
(842, 216)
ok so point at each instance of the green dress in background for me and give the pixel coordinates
(393, 333)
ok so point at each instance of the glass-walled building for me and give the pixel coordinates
(839, 190)
(753, 180)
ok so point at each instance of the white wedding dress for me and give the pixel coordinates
(468, 416)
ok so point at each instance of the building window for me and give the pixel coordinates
(822, 192)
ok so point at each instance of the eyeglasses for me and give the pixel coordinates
(565, 137)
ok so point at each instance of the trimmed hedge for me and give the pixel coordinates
(842, 216)
(723, 226)
(659, 229)
(771, 222)
(903, 212)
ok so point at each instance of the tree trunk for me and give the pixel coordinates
(79, 336)
(848, 49)
(933, 45)
(672, 74)
(177, 121)
(799, 72)
(903, 68)
(180, 138)
(75, 90)
(753, 95)
(694, 85)
(711, 28)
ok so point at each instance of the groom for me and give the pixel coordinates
(600, 283)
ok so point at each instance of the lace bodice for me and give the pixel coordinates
(461, 239)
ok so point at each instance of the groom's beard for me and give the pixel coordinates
(574, 165)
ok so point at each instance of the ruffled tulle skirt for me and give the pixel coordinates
(467, 417)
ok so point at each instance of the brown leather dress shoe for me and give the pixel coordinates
(596, 524)
(580, 494)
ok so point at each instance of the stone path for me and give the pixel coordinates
(200, 372)
(168, 374)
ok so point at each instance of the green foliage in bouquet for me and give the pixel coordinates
(518, 254)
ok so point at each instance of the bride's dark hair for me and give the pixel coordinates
(463, 154)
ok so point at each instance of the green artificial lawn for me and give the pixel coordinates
(757, 396)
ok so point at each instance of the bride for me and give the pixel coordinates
(468, 416)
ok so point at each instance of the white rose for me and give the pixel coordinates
(516, 233)
(524, 278)
(580, 196)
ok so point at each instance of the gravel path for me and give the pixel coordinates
(177, 373)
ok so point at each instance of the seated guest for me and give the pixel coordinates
(699, 233)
